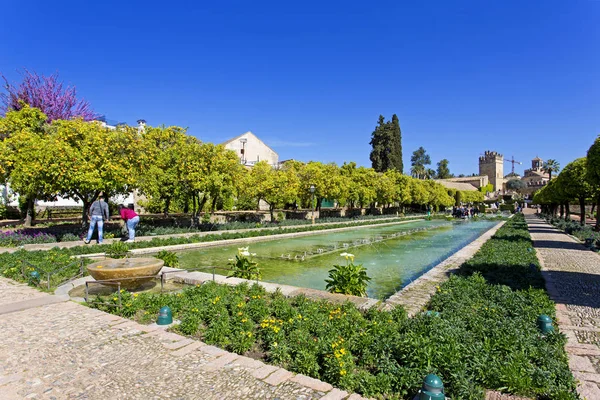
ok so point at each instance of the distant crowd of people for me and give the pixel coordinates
(464, 212)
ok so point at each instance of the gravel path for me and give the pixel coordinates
(66, 351)
(572, 275)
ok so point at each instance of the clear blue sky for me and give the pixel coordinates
(311, 78)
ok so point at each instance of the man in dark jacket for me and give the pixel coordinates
(97, 214)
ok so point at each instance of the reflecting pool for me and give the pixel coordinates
(394, 255)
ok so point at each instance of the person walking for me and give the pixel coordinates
(131, 220)
(97, 214)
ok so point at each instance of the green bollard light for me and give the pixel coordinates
(544, 322)
(34, 277)
(433, 388)
(165, 316)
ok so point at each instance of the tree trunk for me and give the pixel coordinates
(167, 205)
(84, 215)
(271, 209)
(214, 204)
(29, 211)
(582, 210)
(201, 203)
(562, 210)
(567, 210)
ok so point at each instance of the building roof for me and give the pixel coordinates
(248, 133)
(457, 185)
(537, 159)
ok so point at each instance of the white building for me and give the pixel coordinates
(251, 149)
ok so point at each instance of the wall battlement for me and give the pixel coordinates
(490, 157)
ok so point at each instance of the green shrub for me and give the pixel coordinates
(170, 258)
(117, 250)
(242, 265)
(348, 279)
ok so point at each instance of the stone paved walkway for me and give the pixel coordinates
(572, 275)
(66, 351)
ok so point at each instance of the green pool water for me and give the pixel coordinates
(391, 262)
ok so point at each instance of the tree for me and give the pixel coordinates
(551, 166)
(397, 137)
(419, 160)
(386, 145)
(161, 179)
(593, 174)
(91, 159)
(26, 158)
(48, 94)
(218, 170)
(515, 184)
(574, 181)
(443, 172)
(275, 186)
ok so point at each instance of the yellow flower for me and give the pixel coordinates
(274, 344)
(244, 319)
(115, 299)
(343, 372)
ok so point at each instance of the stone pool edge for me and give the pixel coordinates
(414, 296)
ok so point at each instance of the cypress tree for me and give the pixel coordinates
(386, 145)
(397, 140)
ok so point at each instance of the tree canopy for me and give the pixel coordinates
(46, 93)
(386, 143)
(419, 160)
(443, 172)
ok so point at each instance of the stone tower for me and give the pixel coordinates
(492, 165)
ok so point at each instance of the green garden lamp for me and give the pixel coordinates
(544, 322)
(165, 316)
(433, 388)
(35, 276)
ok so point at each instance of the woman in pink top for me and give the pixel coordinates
(131, 219)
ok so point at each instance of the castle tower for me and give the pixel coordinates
(537, 164)
(492, 165)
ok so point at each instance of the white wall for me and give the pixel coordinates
(254, 149)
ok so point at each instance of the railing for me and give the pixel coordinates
(162, 275)
(49, 274)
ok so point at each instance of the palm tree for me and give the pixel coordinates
(551, 166)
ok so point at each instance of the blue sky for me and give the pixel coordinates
(311, 78)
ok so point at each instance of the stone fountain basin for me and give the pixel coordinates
(130, 272)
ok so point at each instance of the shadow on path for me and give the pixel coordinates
(553, 244)
(575, 288)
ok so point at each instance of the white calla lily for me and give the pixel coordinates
(245, 253)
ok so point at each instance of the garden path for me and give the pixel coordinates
(572, 275)
(66, 350)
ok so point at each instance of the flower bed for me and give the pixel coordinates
(485, 334)
(20, 237)
(12, 265)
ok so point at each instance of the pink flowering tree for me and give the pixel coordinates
(48, 94)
